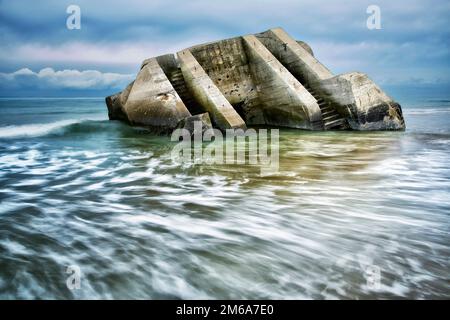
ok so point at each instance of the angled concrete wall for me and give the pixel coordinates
(116, 103)
(207, 94)
(364, 104)
(298, 60)
(286, 102)
(152, 100)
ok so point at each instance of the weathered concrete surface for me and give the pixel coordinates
(298, 60)
(226, 63)
(152, 100)
(363, 103)
(286, 102)
(356, 98)
(116, 102)
(264, 79)
(306, 47)
(196, 124)
(207, 94)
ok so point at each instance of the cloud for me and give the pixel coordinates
(48, 78)
(117, 36)
(157, 20)
(128, 53)
(385, 61)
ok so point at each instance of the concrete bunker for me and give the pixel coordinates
(265, 79)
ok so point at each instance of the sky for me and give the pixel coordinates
(40, 56)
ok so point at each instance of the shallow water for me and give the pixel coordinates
(77, 189)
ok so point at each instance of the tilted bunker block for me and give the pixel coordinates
(262, 79)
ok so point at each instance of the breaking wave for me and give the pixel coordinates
(33, 130)
(61, 128)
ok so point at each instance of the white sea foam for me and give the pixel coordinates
(140, 226)
(33, 130)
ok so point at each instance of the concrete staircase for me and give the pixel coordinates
(330, 117)
(177, 80)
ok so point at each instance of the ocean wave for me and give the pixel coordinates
(33, 130)
(426, 111)
(140, 226)
(57, 128)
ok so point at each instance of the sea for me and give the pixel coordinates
(96, 209)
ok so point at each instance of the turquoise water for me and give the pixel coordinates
(77, 189)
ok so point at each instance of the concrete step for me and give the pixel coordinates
(177, 80)
(334, 123)
(326, 108)
(183, 94)
(179, 88)
(331, 118)
(176, 75)
(328, 113)
(179, 84)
